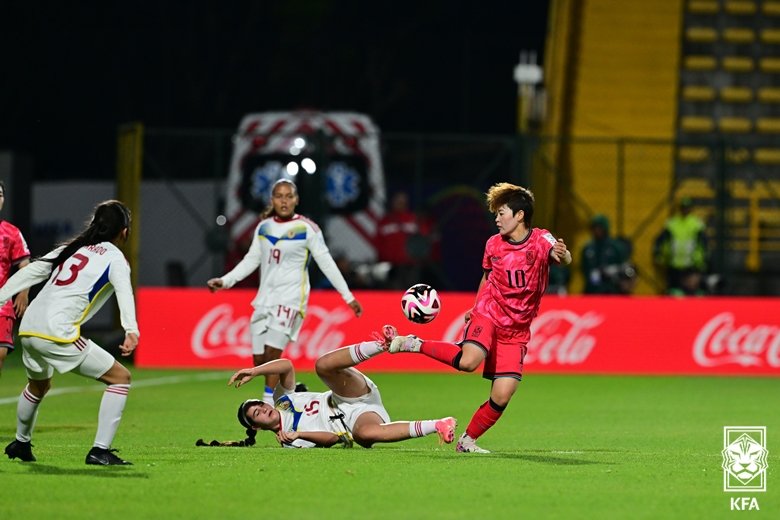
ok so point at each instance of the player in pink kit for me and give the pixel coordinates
(13, 253)
(516, 266)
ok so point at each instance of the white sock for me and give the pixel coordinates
(268, 396)
(110, 414)
(26, 413)
(421, 428)
(362, 351)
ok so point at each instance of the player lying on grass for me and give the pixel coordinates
(351, 410)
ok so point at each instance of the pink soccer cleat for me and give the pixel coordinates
(385, 336)
(445, 429)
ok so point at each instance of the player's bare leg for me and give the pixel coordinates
(3, 354)
(270, 354)
(503, 389)
(370, 429)
(335, 370)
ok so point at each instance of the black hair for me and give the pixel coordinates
(515, 197)
(109, 218)
(242, 408)
(251, 433)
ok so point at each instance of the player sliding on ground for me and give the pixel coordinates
(351, 410)
(516, 266)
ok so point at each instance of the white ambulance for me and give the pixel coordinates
(333, 157)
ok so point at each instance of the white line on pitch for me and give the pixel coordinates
(157, 381)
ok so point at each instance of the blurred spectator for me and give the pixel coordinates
(627, 277)
(393, 236)
(681, 249)
(604, 260)
(559, 280)
(425, 249)
(690, 284)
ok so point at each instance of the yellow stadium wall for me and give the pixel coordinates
(612, 71)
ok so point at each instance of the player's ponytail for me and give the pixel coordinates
(109, 219)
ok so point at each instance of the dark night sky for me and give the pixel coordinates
(73, 71)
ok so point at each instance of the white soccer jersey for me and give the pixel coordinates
(325, 412)
(309, 412)
(281, 249)
(74, 292)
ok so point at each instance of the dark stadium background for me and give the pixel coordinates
(72, 72)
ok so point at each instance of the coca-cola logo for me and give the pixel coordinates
(218, 334)
(721, 342)
(321, 334)
(561, 337)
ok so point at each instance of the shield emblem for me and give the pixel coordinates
(530, 256)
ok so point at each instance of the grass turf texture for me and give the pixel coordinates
(567, 447)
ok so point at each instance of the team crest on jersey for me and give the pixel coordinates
(477, 331)
(530, 256)
(291, 233)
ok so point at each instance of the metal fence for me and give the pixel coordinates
(632, 181)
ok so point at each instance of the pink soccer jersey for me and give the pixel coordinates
(13, 249)
(516, 280)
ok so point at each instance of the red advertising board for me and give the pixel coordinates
(192, 328)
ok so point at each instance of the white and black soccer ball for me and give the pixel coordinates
(421, 303)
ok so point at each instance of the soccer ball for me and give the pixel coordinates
(420, 303)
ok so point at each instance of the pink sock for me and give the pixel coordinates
(441, 351)
(484, 418)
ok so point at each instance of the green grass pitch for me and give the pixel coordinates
(567, 447)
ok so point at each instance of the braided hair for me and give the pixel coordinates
(109, 219)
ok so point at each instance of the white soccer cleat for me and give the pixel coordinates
(410, 343)
(468, 445)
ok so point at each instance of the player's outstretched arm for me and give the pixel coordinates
(281, 367)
